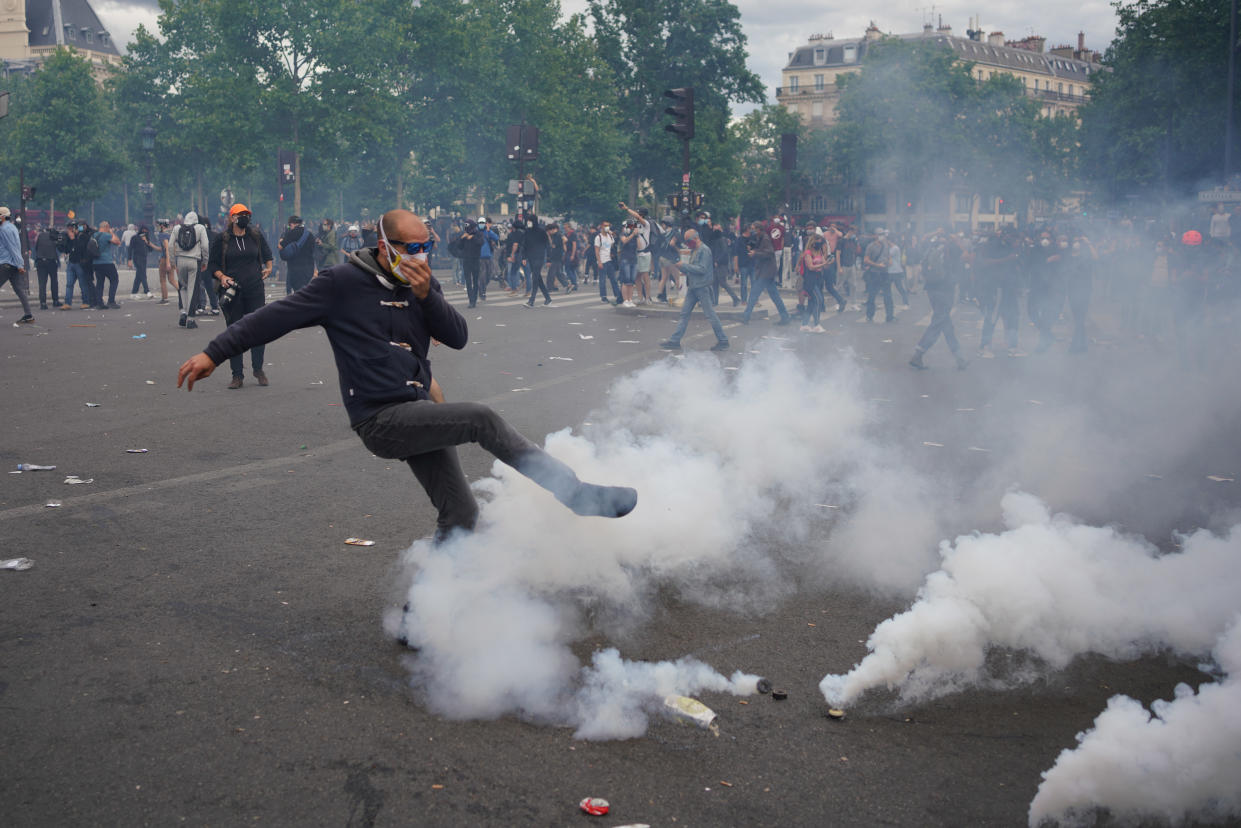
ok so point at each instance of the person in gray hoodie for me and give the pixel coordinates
(190, 262)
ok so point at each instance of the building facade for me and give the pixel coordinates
(30, 30)
(1060, 79)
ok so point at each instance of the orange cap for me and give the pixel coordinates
(238, 208)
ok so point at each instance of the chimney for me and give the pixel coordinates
(927, 28)
(995, 39)
(872, 32)
(943, 29)
(1081, 41)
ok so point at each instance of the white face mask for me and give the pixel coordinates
(395, 258)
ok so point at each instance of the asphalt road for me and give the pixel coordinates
(196, 644)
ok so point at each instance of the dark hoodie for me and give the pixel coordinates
(380, 336)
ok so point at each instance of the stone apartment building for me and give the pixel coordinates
(30, 30)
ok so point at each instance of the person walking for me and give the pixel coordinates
(814, 263)
(79, 266)
(240, 261)
(535, 254)
(167, 269)
(938, 269)
(189, 249)
(469, 244)
(47, 265)
(140, 247)
(605, 262)
(297, 250)
(763, 257)
(877, 262)
(103, 265)
(12, 264)
(700, 276)
(384, 300)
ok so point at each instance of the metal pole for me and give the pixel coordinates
(1232, 77)
(21, 212)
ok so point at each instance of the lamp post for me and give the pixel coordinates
(148, 186)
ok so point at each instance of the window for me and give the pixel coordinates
(876, 202)
(70, 34)
(820, 57)
(817, 204)
(793, 108)
(818, 83)
(89, 35)
(964, 202)
(850, 53)
(1070, 89)
(816, 109)
(792, 83)
(1060, 87)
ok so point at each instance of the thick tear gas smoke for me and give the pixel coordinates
(729, 516)
(1056, 589)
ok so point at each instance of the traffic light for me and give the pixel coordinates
(28, 193)
(698, 200)
(682, 111)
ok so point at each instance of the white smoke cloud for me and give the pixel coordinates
(1181, 760)
(731, 470)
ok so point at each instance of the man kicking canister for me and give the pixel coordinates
(383, 294)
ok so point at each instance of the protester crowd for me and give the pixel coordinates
(1162, 282)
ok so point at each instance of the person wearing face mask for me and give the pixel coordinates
(12, 265)
(352, 242)
(327, 248)
(1078, 283)
(1053, 254)
(240, 261)
(940, 266)
(605, 262)
(380, 309)
(700, 275)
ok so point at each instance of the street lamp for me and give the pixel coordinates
(148, 187)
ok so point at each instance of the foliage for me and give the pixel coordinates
(1156, 121)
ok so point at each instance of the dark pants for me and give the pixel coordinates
(48, 270)
(297, 278)
(105, 272)
(536, 280)
(721, 281)
(19, 282)
(425, 435)
(829, 284)
(555, 273)
(756, 291)
(812, 284)
(1006, 307)
(140, 276)
(1079, 288)
(879, 283)
(941, 318)
(469, 270)
(249, 298)
(607, 273)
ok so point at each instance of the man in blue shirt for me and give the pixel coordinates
(700, 279)
(104, 265)
(12, 264)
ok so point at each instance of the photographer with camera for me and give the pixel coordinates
(47, 264)
(763, 255)
(241, 261)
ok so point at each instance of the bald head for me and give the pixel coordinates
(691, 235)
(403, 226)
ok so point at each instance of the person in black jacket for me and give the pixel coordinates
(47, 264)
(297, 248)
(380, 310)
(77, 237)
(469, 247)
(241, 261)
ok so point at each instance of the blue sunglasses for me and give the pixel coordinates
(415, 247)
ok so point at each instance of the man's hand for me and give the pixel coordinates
(419, 275)
(195, 368)
(435, 392)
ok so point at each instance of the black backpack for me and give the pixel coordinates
(186, 237)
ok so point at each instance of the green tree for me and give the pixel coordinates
(60, 130)
(1156, 120)
(650, 47)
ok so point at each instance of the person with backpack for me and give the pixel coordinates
(939, 266)
(188, 246)
(297, 249)
(77, 240)
(241, 261)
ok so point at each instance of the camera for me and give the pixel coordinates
(228, 295)
(751, 243)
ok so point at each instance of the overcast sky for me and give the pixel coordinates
(776, 27)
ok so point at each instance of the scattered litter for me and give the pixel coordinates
(139, 336)
(628, 342)
(577, 323)
(885, 340)
(763, 686)
(74, 480)
(731, 368)
(692, 710)
(1154, 477)
(826, 506)
(779, 695)
(93, 405)
(501, 325)
(1219, 479)
(150, 382)
(978, 448)
(81, 326)
(585, 336)
(1035, 402)
(515, 390)
(137, 451)
(359, 542)
(53, 504)
(437, 787)
(926, 396)
(967, 409)
(317, 382)
(18, 564)
(880, 399)
(835, 713)
(563, 359)
(726, 784)
(594, 806)
(16, 472)
(932, 445)
(34, 467)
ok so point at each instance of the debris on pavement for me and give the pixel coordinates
(18, 564)
(53, 504)
(1220, 479)
(93, 405)
(137, 451)
(779, 695)
(763, 686)
(594, 806)
(74, 480)
(932, 445)
(139, 336)
(359, 542)
(835, 713)
(692, 710)
(584, 336)
(34, 467)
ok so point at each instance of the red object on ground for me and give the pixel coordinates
(594, 806)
